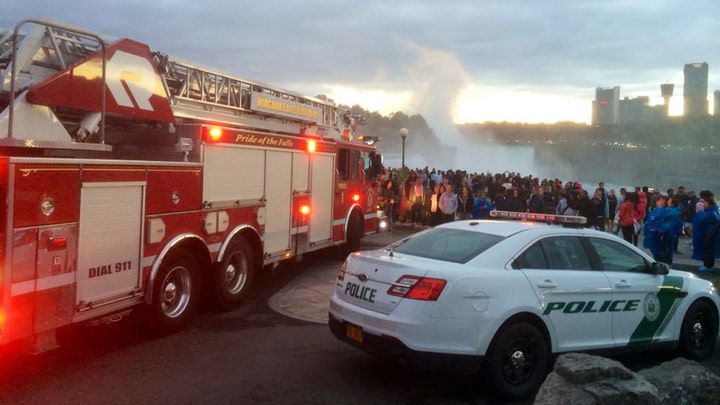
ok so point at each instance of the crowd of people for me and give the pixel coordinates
(431, 197)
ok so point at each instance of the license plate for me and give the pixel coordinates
(354, 333)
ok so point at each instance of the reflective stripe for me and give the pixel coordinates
(60, 280)
(42, 284)
(23, 287)
(214, 248)
(148, 261)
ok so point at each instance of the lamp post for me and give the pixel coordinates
(403, 132)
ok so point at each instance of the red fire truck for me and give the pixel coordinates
(132, 180)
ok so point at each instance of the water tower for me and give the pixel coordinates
(666, 89)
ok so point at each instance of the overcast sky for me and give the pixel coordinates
(469, 61)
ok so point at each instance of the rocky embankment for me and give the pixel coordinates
(585, 379)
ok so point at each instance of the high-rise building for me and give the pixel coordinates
(695, 89)
(606, 106)
(638, 109)
(666, 89)
(716, 103)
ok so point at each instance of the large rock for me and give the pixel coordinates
(683, 381)
(585, 379)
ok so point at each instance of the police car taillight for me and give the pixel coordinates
(417, 288)
(530, 216)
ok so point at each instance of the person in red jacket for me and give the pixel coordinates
(640, 211)
(626, 216)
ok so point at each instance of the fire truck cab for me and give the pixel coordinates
(133, 180)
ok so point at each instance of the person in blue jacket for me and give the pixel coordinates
(662, 229)
(706, 223)
(482, 206)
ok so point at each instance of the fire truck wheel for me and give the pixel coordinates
(175, 293)
(354, 235)
(234, 276)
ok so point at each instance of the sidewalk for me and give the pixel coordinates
(306, 297)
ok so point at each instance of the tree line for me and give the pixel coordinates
(695, 133)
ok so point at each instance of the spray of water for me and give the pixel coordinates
(439, 77)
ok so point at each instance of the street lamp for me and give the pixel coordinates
(403, 132)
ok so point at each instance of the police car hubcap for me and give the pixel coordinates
(517, 360)
(518, 366)
(697, 334)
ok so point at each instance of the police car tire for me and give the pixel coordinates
(175, 293)
(510, 382)
(239, 265)
(699, 331)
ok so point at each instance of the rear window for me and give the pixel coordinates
(450, 245)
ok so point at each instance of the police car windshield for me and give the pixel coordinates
(450, 245)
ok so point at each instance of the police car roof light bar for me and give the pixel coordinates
(548, 218)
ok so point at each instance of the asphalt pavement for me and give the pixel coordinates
(306, 297)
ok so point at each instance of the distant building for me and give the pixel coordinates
(695, 89)
(639, 109)
(606, 106)
(666, 90)
(716, 103)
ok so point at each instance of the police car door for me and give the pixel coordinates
(570, 292)
(642, 303)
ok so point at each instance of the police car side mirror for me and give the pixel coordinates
(660, 268)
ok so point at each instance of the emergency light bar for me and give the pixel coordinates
(549, 218)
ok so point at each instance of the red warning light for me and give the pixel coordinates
(304, 209)
(356, 197)
(215, 134)
(311, 146)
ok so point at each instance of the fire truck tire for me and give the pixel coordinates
(354, 235)
(233, 277)
(175, 293)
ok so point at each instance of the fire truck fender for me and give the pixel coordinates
(190, 242)
(251, 235)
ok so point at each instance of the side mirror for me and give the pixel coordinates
(660, 268)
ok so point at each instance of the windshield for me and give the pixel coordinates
(450, 245)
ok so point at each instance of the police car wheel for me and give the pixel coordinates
(699, 331)
(518, 361)
(233, 276)
(175, 293)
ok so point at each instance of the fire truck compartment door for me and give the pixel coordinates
(109, 241)
(231, 174)
(278, 193)
(321, 198)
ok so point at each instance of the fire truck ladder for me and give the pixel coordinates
(196, 93)
(202, 94)
(46, 49)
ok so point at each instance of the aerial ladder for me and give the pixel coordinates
(196, 93)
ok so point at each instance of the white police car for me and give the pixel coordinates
(504, 296)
